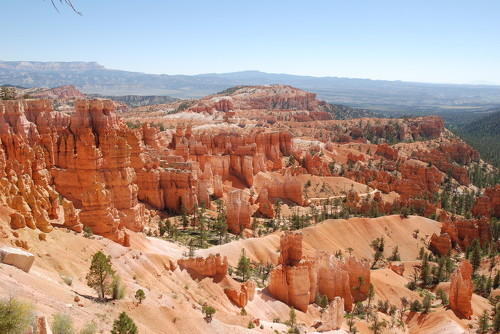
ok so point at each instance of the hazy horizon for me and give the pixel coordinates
(451, 42)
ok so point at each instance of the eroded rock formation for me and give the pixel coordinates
(241, 296)
(296, 280)
(212, 266)
(461, 289)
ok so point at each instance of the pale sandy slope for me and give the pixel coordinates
(339, 234)
(172, 298)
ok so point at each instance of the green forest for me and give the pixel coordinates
(484, 135)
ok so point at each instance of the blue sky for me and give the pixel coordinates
(426, 41)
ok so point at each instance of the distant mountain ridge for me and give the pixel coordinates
(92, 78)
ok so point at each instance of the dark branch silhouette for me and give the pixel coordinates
(67, 2)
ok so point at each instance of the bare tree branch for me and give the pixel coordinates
(69, 3)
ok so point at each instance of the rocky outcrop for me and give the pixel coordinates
(238, 211)
(212, 266)
(461, 289)
(265, 206)
(387, 152)
(357, 269)
(98, 213)
(50, 154)
(418, 181)
(441, 244)
(297, 280)
(17, 258)
(333, 316)
(398, 268)
(71, 217)
(42, 325)
(241, 297)
(290, 248)
(291, 285)
(489, 204)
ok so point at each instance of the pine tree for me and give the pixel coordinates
(442, 296)
(371, 293)
(395, 255)
(426, 304)
(496, 322)
(124, 325)
(483, 322)
(424, 273)
(100, 276)
(475, 255)
(243, 269)
(293, 317)
(140, 295)
(351, 323)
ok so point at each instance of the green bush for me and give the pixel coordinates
(117, 288)
(62, 324)
(15, 316)
(89, 328)
(124, 325)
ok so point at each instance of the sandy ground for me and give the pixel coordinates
(173, 298)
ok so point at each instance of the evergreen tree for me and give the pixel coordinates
(496, 322)
(395, 254)
(140, 295)
(351, 323)
(371, 294)
(424, 273)
(100, 276)
(184, 216)
(442, 296)
(416, 306)
(124, 325)
(475, 255)
(377, 325)
(426, 304)
(293, 317)
(243, 269)
(483, 322)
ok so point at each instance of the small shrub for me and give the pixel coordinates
(416, 306)
(251, 324)
(62, 324)
(117, 288)
(15, 316)
(87, 232)
(243, 311)
(412, 286)
(89, 328)
(208, 311)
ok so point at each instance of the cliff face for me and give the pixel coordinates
(84, 158)
(102, 169)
